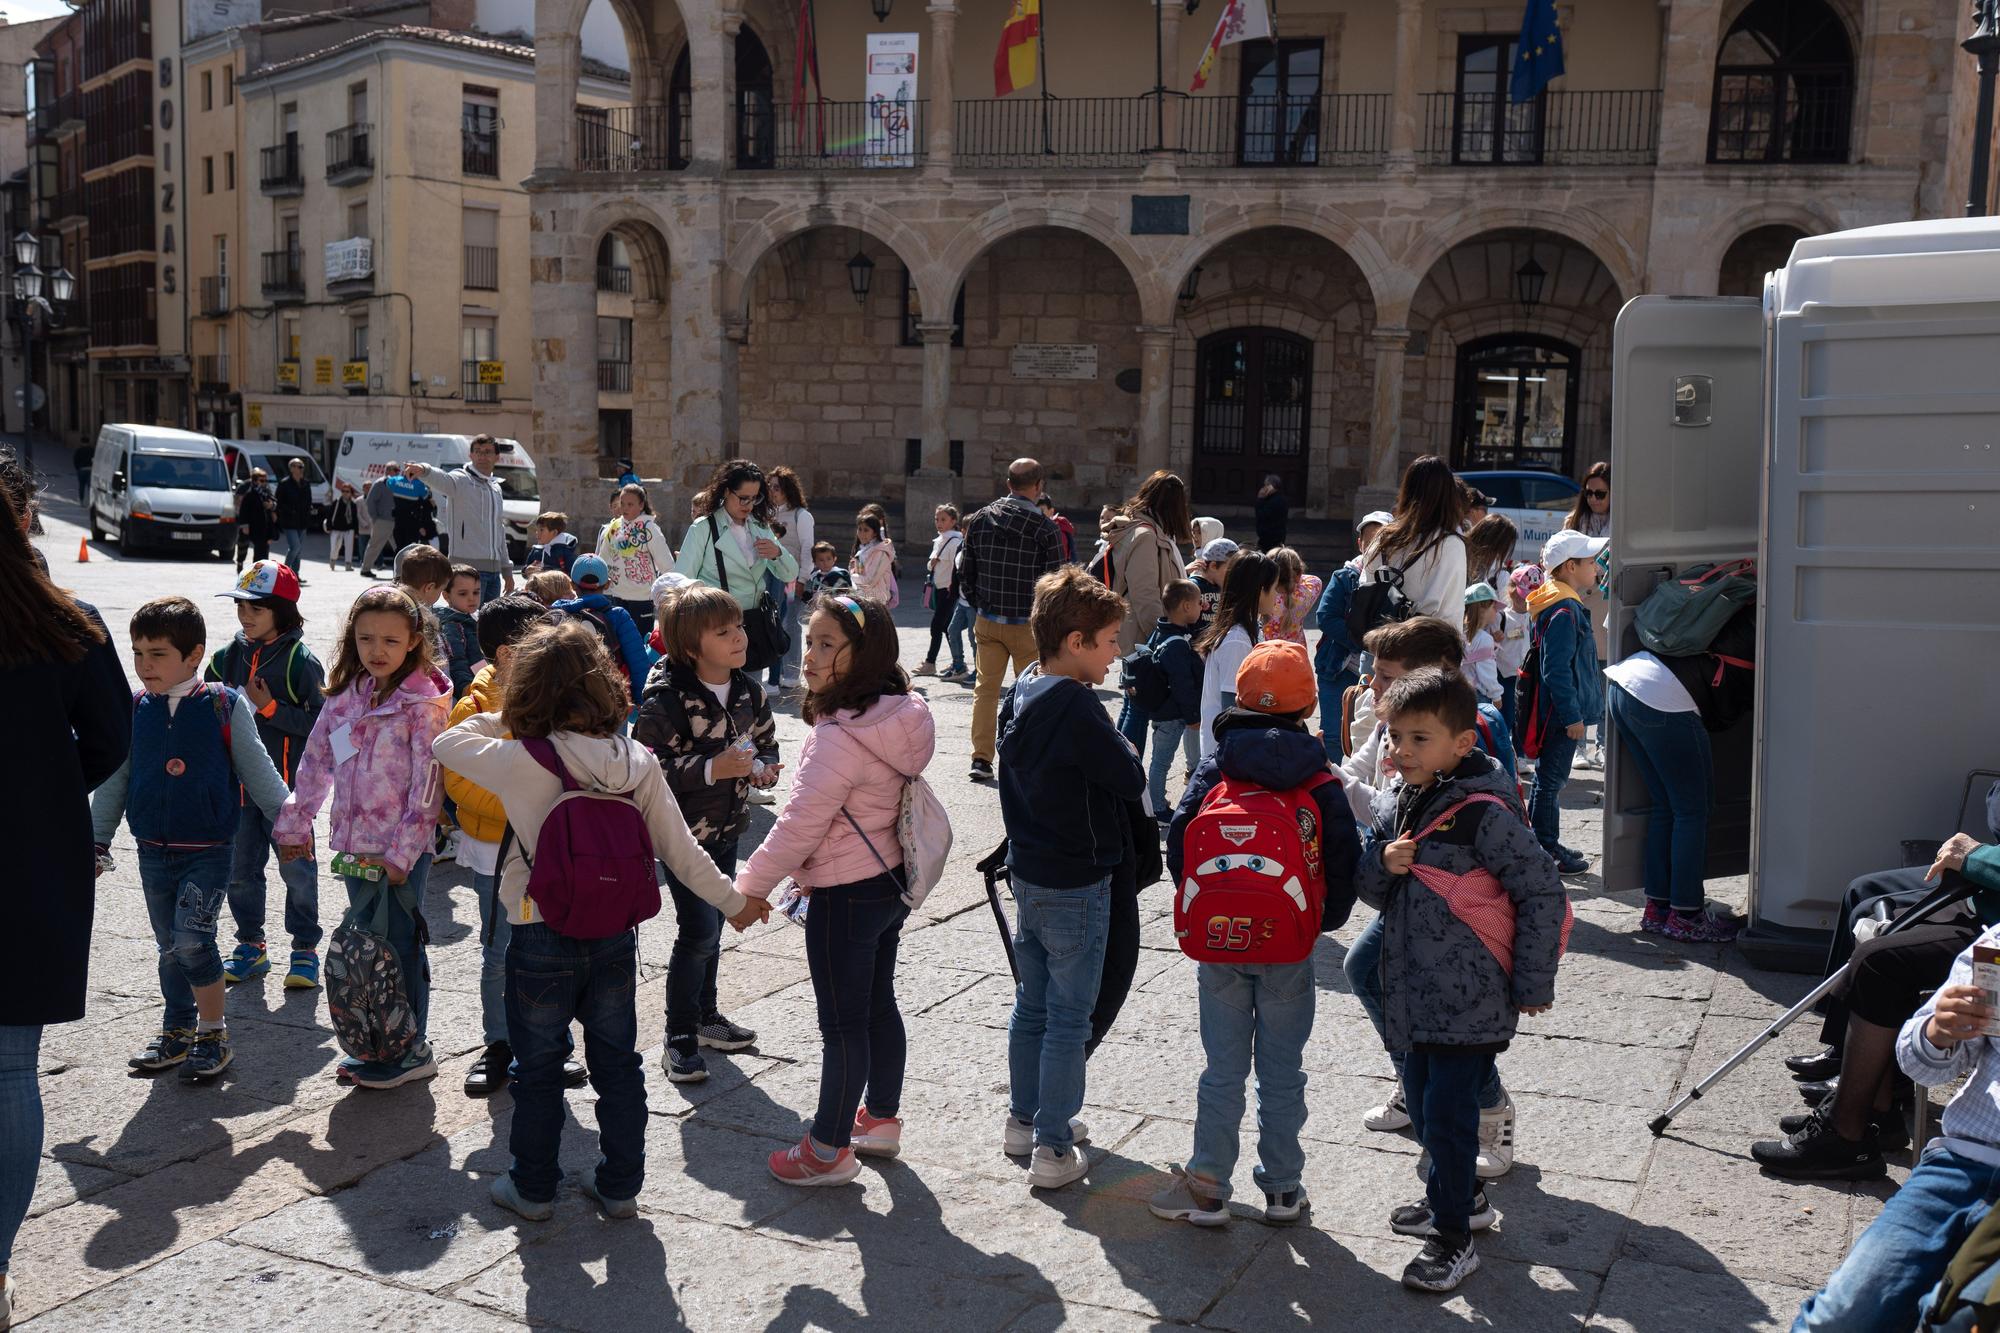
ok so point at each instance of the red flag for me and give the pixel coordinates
(807, 66)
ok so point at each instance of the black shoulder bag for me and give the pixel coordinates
(763, 623)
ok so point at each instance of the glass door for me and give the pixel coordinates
(1279, 125)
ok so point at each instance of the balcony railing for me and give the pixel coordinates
(1055, 133)
(474, 391)
(482, 268)
(1616, 127)
(284, 275)
(479, 153)
(215, 296)
(829, 136)
(350, 153)
(212, 372)
(614, 376)
(632, 138)
(1756, 118)
(279, 171)
(1333, 130)
(614, 278)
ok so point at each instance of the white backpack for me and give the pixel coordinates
(923, 829)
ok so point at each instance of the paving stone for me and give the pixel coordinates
(1625, 1020)
(1742, 1103)
(1635, 1293)
(100, 1114)
(1661, 976)
(1639, 1076)
(726, 1072)
(59, 1183)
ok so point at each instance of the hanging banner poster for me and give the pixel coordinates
(889, 139)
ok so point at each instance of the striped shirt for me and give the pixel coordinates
(1971, 1123)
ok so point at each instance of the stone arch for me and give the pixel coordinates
(1847, 11)
(1803, 215)
(938, 283)
(1588, 229)
(768, 233)
(654, 31)
(1327, 223)
(645, 237)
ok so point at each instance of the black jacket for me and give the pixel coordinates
(297, 682)
(1008, 545)
(295, 504)
(75, 722)
(256, 510)
(1273, 511)
(680, 721)
(1065, 775)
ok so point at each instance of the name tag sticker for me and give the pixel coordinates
(343, 744)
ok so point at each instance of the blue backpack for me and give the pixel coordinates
(1335, 643)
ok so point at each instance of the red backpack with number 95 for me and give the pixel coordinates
(1253, 885)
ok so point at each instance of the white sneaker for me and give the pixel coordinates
(1590, 759)
(763, 796)
(7, 1289)
(1389, 1117)
(1049, 1171)
(1019, 1139)
(1496, 1140)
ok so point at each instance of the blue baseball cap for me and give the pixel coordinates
(589, 571)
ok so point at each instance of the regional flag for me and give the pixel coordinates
(1540, 55)
(1241, 21)
(1020, 48)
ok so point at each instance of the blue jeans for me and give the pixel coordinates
(184, 892)
(955, 632)
(1133, 723)
(1671, 752)
(1506, 704)
(495, 930)
(247, 885)
(20, 1129)
(697, 952)
(1168, 737)
(1059, 937)
(489, 587)
(405, 941)
(1545, 797)
(1363, 968)
(1331, 687)
(1259, 1016)
(1441, 1090)
(295, 547)
(553, 981)
(852, 933)
(1906, 1248)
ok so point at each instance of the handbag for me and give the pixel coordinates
(763, 624)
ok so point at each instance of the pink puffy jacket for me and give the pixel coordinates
(853, 760)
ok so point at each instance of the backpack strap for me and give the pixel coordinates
(1723, 661)
(903, 879)
(1476, 798)
(291, 658)
(721, 574)
(544, 753)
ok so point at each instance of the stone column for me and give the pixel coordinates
(1385, 440)
(934, 483)
(711, 69)
(1404, 107)
(1156, 397)
(704, 356)
(1170, 12)
(558, 66)
(563, 277)
(941, 129)
(1687, 87)
(652, 395)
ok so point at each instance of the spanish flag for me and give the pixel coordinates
(1020, 47)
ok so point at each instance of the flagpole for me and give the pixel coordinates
(1042, 59)
(1159, 82)
(819, 85)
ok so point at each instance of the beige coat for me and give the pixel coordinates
(1144, 561)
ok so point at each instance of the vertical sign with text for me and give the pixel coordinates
(889, 138)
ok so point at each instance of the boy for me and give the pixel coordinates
(1569, 691)
(613, 623)
(1171, 646)
(455, 615)
(422, 571)
(555, 545)
(1206, 573)
(1065, 773)
(192, 743)
(1261, 1013)
(827, 575)
(1462, 976)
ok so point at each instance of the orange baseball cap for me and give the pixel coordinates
(1277, 677)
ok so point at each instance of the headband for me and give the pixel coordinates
(854, 609)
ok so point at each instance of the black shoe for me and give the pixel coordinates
(683, 1062)
(164, 1051)
(1816, 1152)
(1823, 1063)
(719, 1034)
(1447, 1260)
(574, 1074)
(489, 1072)
(1414, 1219)
(982, 770)
(1815, 1091)
(207, 1058)
(1892, 1134)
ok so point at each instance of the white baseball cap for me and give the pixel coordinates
(1381, 516)
(1569, 544)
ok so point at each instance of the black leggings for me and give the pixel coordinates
(1121, 957)
(943, 602)
(1890, 973)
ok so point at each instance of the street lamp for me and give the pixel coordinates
(30, 281)
(27, 249)
(1529, 279)
(881, 8)
(1984, 46)
(860, 275)
(1190, 289)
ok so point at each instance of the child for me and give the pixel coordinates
(554, 550)
(1063, 526)
(709, 723)
(635, 550)
(1510, 636)
(874, 561)
(1172, 647)
(549, 587)
(269, 661)
(343, 520)
(613, 624)
(837, 840)
(456, 616)
(1249, 594)
(1065, 773)
(1262, 1013)
(385, 703)
(1298, 597)
(192, 743)
(1466, 964)
(562, 688)
(422, 571)
(1569, 693)
(1482, 654)
(827, 574)
(940, 575)
(1206, 570)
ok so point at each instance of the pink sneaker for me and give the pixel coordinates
(877, 1137)
(1703, 927)
(798, 1165)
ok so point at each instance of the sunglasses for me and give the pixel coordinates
(752, 498)
(1598, 495)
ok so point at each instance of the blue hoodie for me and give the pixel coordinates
(631, 647)
(1172, 647)
(1065, 773)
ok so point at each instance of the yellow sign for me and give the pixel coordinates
(322, 370)
(355, 373)
(492, 372)
(255, 416)
(288, 373)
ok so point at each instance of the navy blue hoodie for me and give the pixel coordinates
(1172, 647)
(1065, 774)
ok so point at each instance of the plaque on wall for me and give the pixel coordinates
(1054, 361)
(1160, 214)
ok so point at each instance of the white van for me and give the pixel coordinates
(151, 486)
(365, 455)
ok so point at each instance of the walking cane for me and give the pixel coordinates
(1953, 888)
(994, 867)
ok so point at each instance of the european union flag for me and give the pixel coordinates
(1540, 57)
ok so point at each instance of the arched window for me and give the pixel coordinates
(1784, 86)
(1516, 400)
(680, 115)
(755, 78)
(1752, 255)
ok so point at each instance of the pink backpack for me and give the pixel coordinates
(592, 873)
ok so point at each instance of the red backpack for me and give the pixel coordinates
(1253, 887)
(592, 873)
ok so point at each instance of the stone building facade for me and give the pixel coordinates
(1351, 248)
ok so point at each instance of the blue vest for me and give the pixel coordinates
(183, 788)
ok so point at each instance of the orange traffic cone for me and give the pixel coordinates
(83, 551)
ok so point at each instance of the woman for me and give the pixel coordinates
(1144, 539)
(793, 523)
(73, 715)
(256, 517)
(634, 548)
(734, 547)
(1421, 540)
(1298, 596)
(1591, 514)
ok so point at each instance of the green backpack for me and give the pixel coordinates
(1682, 616)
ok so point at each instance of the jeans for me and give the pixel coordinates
(490, 584)
(1545, 797)
(852, 931)
(184, 892)
(1441, 1090)
(1168, 737)
(495, 930)
(1906, 1248)
(1059, 938)
(1252, 1016)
(20, 1129)
(1671, 752)
(295, 548)
(997, 645)
(247, 885)
(1331, 687)
(944, 605)
(795, 616)
(405, 938)
(1363, 968)
(552, 981)
(1133, 723)
(961, 624)
(1508, 693)
(697, 951)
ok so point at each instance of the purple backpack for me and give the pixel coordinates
(591, 876)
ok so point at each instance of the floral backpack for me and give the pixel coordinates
(367, 995)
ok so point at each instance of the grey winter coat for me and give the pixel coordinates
(1441, 985)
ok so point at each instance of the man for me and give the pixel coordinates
(256, 515)
(1008, 545)
(380, 505)
(295, 513)
(476, 515)
(1273, 509)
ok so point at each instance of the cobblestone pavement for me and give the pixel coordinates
(276, 1195)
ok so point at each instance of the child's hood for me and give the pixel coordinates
(561, 539)
(1477, 772)
(1165, 629)
(1551, 592)
(1277, 756)
(608, 763)
(452, 615)
(587, 601)
(897, 729)
(1042, 702)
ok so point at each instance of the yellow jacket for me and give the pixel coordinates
(480, 813)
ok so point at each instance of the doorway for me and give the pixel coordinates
(1515, 405)
(1253, 390)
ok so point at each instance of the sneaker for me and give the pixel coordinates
(800, 1165)
(617, 1209)
(508, 1197)
(877, 1136)
(304, 971)
(489, 1072)
(1414, 1219)
(1590, 758)
(1018, 1140)
(246, 962)
(925, 669)
(684, 1064)
(1446, 1261)
(1496, 1140)
(1567, 863)
(207, 1057)
(951, 673)
(1282, 1210)
(444, 846)
(1891, 1133)
(982, 770)
(719, 1034)
(8, 1287)
(1182, 1202)
(1051, 1170)
(763, 796)
(1703, 927)
(1817, 1151)
(1822, 1063)
(164, 1051)
(418, 1064)
(1390, 1116)
(1654, 922)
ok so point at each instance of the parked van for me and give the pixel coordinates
(152, 486)
(366, 455)
(276, 460)
(1841, 432)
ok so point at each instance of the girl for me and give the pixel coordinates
(837, 840)
(1482, 668)
(1510, 638)
(563, 689)
(943, 589)
(386, 701)
(709, 723)
(636, 550)
(874, 562)
(1298, 596)
(793, 522)
(1249, 594)
(1421, 540)
(1489, 550)
(1143, 541)
(881, 515)
(343, 520)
